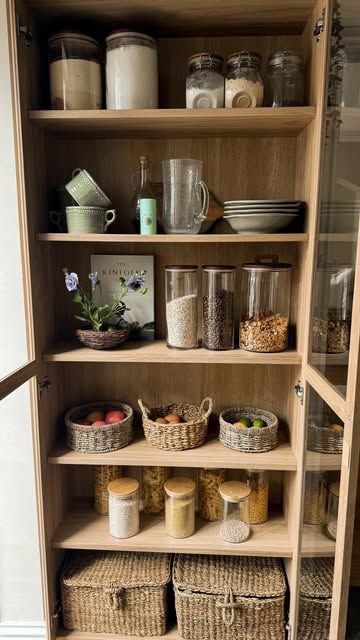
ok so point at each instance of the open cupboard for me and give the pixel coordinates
(247, 153)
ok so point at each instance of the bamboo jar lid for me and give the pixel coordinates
(179, 487)
(123, 487)
(234, 491)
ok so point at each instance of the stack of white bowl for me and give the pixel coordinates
(262, 216)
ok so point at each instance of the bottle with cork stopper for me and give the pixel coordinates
(143, 190)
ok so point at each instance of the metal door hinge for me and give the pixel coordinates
(24, 31)
(319, 26)
(289, 630)
(43, 386)
(56, 613)
(299, 390)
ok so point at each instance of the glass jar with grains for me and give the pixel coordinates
(210, 507)
(235, 525)
(153, 480)
(258, 481)
(218, 314)
(205, 82)
(180, 507)
(181, 306)
(244, 86)
(123, 507)
(285, 80)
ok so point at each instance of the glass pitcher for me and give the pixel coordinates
(186, 196)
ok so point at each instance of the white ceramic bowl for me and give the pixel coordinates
(264, 223)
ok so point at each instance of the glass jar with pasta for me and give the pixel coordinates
(210, 504)
(153, 480)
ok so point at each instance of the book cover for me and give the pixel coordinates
(110, 269)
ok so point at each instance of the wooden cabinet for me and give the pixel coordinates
(247, 153)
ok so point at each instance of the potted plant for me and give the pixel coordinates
(105, 324)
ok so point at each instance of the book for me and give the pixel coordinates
(109, 269)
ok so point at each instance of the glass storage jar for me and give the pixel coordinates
(181, 283)
(235, 525)
(75, 71)
(265, 305)
(123, 507)
(104, 473)
(332, 309)
(258, 481)
(332, 510)
(180, 507)
(131, 71)
(218, 316)
(315, 498)
(285, 80)
(153, 481)
(205, 82)
(210, 507)
(244, 85)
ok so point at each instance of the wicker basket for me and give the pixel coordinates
(114, 592)
(324, 440)
(229, 597)
(102, 339)
(316, 585)
(176, 437)
(89, 439)
(250, 440)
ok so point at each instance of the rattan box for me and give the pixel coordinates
(316, 586)
(115, 592)
(229, 598)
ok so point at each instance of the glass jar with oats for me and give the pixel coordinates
(258, 482)
(265, 298)
(153, 481)
(180, 507)
(210, 506)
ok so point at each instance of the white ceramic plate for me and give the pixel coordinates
(296, 203)
(260, 212)
(253, 223)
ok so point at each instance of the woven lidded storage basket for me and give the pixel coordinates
(115, 592)
(229, 598)
(251, 439)
(176, 437)
(316, 585)
(324, 440)
(89, 439)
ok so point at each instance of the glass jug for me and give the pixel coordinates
(186, 196)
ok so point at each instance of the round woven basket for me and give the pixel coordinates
(89, 439)
(324, 440)
(250, 440)
(177, 437)
(102, 339)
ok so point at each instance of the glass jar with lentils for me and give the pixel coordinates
(218, 316)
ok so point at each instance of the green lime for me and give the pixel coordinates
(258, 423)
(245, 421)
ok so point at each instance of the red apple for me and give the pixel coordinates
(86, 423)
(99, 423)
(93, 416)
(113, 416)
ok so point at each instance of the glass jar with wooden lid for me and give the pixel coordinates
(123, 507)
(180, 507)
(235, 525)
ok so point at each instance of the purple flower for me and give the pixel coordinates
(93, 277)
(71, 281)
(135, 283)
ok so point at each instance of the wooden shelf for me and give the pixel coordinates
(212, 454)
(338, 237)
(171, 634)
(84, 529)
(176, 123)
(158, 352)
(327, 359)
(205, 238)
(322, 461)
(316, 543)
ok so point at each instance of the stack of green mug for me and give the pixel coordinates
(92, 213)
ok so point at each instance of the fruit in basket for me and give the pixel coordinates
(161, 421)
(99, 423)
(336, 427)
(95, 415)
(258, 423)
(84, 422)
(241, 424)
(114, 415)
(243, 420)
(172, 418)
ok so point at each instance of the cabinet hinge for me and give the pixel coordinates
(24, 31)
(319, 26)
(43, 386)
(289, 631)
(56, 613)
(299, 390)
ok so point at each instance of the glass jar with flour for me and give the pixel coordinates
(131, 71)
(75, 71)
(205, 82)
(244, 86)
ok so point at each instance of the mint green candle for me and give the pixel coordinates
(148, 216)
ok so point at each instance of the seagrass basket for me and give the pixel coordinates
(102, 439)
(102, 339)
(229, 597)
(324, 440)
(177, 437)
(115, 592)
(251, 439)
(316, 585)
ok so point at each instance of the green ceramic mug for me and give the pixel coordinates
(85, 191)
(89, 219)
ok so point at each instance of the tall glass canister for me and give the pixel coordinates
(181, 283)
(332, 309)
(265, 298)
(218, 316)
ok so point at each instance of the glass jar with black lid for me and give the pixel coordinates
(285, 79)
(205, 82)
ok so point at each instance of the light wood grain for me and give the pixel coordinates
(207, 238)
(9, 383)
(84, 529)
(315, 543)
(212, 455)
(322, 461)
(171, 634)
(176, 123)
(157, 351)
